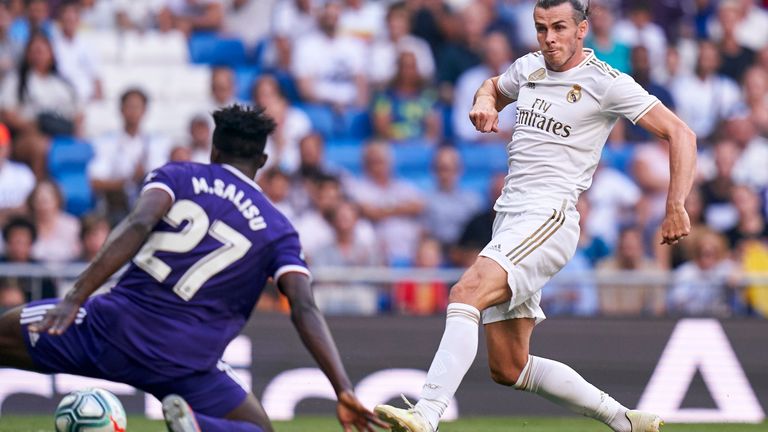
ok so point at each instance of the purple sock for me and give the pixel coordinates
(214, 424)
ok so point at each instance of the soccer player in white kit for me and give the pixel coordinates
(567, 103)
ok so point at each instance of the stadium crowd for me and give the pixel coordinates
(374, 159)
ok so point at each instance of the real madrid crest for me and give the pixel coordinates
(537, 75)
(574, 95)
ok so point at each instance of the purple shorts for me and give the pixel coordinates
(82, 351)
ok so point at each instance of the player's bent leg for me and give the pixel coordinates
(484, 284)
(508, 343)
(13, 350)
(179, 417)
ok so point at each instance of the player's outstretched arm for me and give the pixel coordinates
(314, 332)
(121, 245)
(665, 125)
(487, 104)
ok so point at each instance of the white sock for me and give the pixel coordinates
(455, 355)
(563, 386)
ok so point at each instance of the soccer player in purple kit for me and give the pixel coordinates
(202, 241)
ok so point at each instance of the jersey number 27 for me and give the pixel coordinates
(234, 246)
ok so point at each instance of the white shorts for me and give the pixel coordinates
(532, 246)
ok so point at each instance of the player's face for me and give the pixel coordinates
(561, 38)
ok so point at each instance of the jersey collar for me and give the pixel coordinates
(589, 55)
(242, 176)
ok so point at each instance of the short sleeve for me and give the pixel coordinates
(509, 82)
(164, 178)
(626, 98)
(288, 257)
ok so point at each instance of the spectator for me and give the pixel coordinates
(477, 232)
(590, 245)
(37, 103)
(10, 49)
(612, 198)
(716, 192)
(222, 87)
(10, 297)
(641, 71)
(751, 223)
(200, 136)
(465, 52)
(98, 15)
(650, 171)
(57, 231)
(19, 235)
(137, 14)
(753, 158)
(292, 124)
(423, 297)
(601, 39)
(248, 20)
(276, 186)
(197, 15)
(77, 61)
(571, 291)
(755, 90)
(672, 256)
(347, 248)
(639, 29)
(448, 208)
(497, 57)
(702, 286)
(330, 67)
(385, 51)
(16, 180)
(36, 18)
(180, 154)
(123, 157)
(393, 206)
(705, 98)
(752, 27)
(362, 19)
(735, 57)
(291, 20)
(407, 109)
(94, 230)
(621, 297)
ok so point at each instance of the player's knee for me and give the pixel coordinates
(479, 291)
(506, 375)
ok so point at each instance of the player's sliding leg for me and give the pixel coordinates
(13, 350)
(511, 365)
(179, 417)
(484, 284)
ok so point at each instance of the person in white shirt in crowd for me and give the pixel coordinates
(98, 14)
(57, 231)
(752, 29)
(10, 49)
(291, 20)
(755, 90)
(394, 206)
(639, 29)
(347, 246)
(248, 20)
(223, 91)
(292, 124)
(137, 14)
(276, 186)
(385, 50)
(37, 103)
(77, 60)
(200, 138)
(330, 67)
(448, 207)
(612, 197)
(752, 166)
(124, 156)
(706, 97)
(362, 19)
(16, 180)
(497, 57)
(196, 15)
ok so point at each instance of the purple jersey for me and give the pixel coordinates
(192, 286)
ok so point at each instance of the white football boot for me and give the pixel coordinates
(178, 415)
(644, 421)
(403, 420)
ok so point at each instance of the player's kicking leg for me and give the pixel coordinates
(511, 365)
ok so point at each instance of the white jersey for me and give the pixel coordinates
(563, 121)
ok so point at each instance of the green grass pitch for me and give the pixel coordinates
(328, 424)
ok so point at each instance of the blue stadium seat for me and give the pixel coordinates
(349, 157)
(67, 164)
(357, 124)
(478, 182)
(484, 157)
(209, 48)
(412, 159)
(244, 80)
(323, 119)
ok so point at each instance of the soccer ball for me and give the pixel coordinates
(90, 410)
